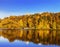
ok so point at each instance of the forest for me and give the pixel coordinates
(42, 28)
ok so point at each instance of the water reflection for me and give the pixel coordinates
(37, 36)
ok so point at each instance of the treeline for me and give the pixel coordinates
(40, 21)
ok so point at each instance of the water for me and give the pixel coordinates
(6, 42)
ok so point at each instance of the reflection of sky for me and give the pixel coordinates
(5, 43)
(17, 7)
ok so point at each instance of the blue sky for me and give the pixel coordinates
(18, 7)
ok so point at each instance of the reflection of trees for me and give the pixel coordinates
(34, 35)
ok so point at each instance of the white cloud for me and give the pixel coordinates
(39, 44)
(7, 14)
(27, 42)
(2, 39)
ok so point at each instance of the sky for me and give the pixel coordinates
(18, 7)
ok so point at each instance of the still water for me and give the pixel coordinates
(12, 38)
(5, 43)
